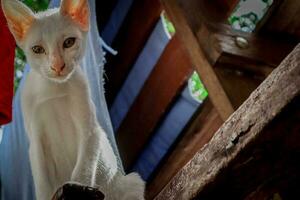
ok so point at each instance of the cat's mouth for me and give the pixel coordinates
(60, 77)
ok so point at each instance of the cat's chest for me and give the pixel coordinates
(54, 113)
(59, 113)
(52, 105)
(55, 127)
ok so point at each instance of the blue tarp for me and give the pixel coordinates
(115, 21)
(139, 74)
(176, 119)
(166, 134)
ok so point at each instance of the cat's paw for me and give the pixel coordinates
(130, 187)
(73, 190)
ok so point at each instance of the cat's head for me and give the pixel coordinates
(54, 40)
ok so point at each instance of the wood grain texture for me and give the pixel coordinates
(242, 129)
(163, 85)
(134, 33)
(267, 165)
(200, 130)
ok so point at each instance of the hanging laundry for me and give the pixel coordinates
(7, 54)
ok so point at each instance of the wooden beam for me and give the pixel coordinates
(241, 70)
(269, 164)
(198, 57)
(216, 36)
(238, 85)
(284, 20)
(129, 42)
(199, 11)
(198, 133)
(162, 87)
(210, 43)
(241, 64)
(269, 50)
(249, 125)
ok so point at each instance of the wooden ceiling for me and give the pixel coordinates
(212, 45)
(229, 72)
(203, 40)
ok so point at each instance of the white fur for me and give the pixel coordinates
(66, 141)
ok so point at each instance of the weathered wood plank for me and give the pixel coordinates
(162, 87)
(240, 131)
(198, 57)
(268, 165)
(198, 133)
(131, 39)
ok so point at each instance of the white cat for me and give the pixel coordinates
(66, 142)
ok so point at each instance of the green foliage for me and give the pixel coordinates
(37, 5)
(20, 59)
(248, 13)
(197, 88)
(170, 27)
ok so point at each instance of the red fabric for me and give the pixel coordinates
(7, 54)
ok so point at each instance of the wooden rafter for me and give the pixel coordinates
(210, 42)
(199, 59)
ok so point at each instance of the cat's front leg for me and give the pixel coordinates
(86, 164)
(96, 161)
(43, 189)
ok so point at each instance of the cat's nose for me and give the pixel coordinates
(58, 68)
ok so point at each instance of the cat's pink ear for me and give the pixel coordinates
(78, 11)
(19, 18)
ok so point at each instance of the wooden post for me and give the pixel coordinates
(269, 118)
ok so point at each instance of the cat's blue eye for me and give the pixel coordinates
(69, 42)
(38, 49)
